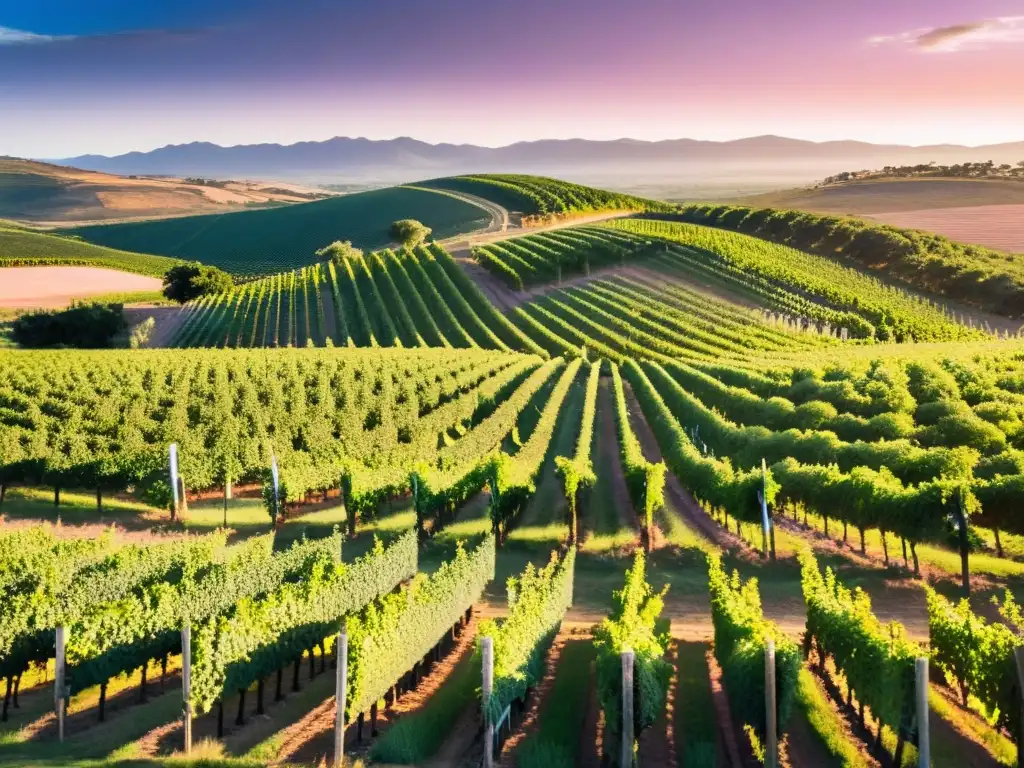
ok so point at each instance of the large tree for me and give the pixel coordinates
(409, 232)
(190, 281)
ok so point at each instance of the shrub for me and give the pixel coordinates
(409, 232)
(84, 325)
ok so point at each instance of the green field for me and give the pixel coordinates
(278, 239)
(24, 248)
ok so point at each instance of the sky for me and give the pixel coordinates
(112, 76)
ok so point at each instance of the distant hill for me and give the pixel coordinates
(409, 158)
(47, 193)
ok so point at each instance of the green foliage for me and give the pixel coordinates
(84, 325)
(577, 471)
(394, 632)
(275, 239)
(264, 633)
(645, 480)
(339, 252)
(813, 286)
(540, 197)
(923, 260)
(877, 660)
(187, 282)
(26, 248)
(538, 600)
(976, 656)
(634, 625)
(741, 634)
(120, 635)
(408, 233)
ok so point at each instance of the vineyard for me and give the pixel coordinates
(253, 243)
(409, 298)
(24, 248)
(696, 499)
(541, 200)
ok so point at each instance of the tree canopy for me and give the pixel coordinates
(190, 281)
(409, 232)
(339, 251)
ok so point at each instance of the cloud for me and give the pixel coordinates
(10, 36)
(959, 37)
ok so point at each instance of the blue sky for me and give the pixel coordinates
(112, 76)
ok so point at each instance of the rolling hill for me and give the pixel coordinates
(892, 195)
(273, 240)
(46, 193)
(21, 247)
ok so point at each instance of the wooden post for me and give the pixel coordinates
(771, 728)
(923, 735)
(340, 694)
(186, 682)
(59, 688)
(627, 709)
(487, 655)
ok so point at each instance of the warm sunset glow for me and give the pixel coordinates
(115, 77)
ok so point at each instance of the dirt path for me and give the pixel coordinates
(605, 451)
(675, 494)
(657, 745)
(538, 700)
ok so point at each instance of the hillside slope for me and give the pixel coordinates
(51, 194)
(892, 195)
(25, 248)
(270, 241)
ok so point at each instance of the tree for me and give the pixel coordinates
(339, 251)
(186, 282)
(409, 232)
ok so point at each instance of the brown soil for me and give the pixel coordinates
(607, 446)
(994, 226)
(58, 286)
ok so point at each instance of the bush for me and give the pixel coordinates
(84, 325)
(190, 281)
(409, 232)
(339, 251)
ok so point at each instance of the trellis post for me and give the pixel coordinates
(627, 708)
(487, 685)
(186, 682)
(771, 742)
(340, 697)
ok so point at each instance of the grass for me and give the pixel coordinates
(695, 722)
(416, 737)
(276, 239)
(826, 723)
(23, 248)
(1001, 748)
(556, 742)
(935, 555)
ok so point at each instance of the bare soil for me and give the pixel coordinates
(994, 226)
(58, 286)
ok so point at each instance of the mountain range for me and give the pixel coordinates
(410, 159)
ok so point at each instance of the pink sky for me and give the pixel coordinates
(900, 71)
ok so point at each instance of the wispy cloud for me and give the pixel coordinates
(973, 35)
(10, 36)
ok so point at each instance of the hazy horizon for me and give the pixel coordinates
(114, 77)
